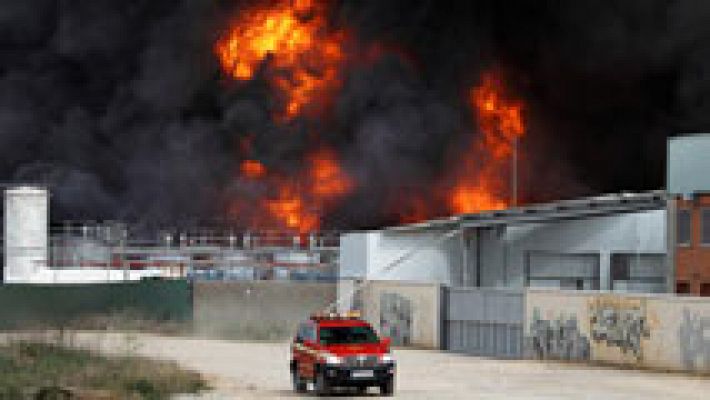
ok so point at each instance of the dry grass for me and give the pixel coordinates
(34, 370)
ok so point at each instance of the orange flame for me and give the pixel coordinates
(293, 35)
(482, 186)
(473, 198)
(328, 179)
(252, 169)
(500, 119)
(301, 210)
(298, 203)
(290, 210)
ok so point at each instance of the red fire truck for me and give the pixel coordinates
(341, 350)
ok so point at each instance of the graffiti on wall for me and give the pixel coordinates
(558, 338)
(619, 323)
(396, 318)
(694, 339)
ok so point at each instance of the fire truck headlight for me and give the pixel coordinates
(387, 358)
(333, 360)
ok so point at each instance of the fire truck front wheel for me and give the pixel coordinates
(299, 385)
(387, 387)
(322, 384)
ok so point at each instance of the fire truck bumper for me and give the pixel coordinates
(359, 376)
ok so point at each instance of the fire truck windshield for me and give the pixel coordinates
(347, 334)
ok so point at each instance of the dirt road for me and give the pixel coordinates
(246, 370)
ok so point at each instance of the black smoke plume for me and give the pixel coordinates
(122, 108)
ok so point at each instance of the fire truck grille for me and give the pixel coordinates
(361, 361)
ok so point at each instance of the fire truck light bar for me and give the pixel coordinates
(354, 314)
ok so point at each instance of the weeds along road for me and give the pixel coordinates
(259, 370)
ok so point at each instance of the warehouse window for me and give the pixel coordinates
(620, 268)
(705, 289)
(562, 271)
(705, 226)
(682, 288)
(683, 227)
(638, 272)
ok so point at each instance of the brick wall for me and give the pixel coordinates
(692, 261)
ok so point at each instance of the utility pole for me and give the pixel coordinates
(122, 244)
(514, 175)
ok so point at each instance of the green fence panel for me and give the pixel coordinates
(24, 305)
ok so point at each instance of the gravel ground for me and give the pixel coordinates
(259, 370)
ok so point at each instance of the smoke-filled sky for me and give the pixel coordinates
(123, 108)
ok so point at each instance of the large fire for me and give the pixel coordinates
(303, 58)
(290, 43)
(306, 56)
(482, 185)
(297, 203)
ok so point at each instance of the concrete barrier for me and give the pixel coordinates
(407, 312)
(256, 309)
(647, 331)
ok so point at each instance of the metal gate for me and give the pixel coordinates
(483, 322)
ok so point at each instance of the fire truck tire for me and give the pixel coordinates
(387, 388)
(299, 385)
(322, 385)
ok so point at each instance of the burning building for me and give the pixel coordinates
(629, 242)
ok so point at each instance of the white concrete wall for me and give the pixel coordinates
(425, 317)
(92, 275)
(26, 232)
(662, 332)
(428, 257)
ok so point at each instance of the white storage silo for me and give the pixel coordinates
(26, 232)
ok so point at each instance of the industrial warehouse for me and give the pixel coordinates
(649, 242)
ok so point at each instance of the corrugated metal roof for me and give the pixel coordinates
(565, 209)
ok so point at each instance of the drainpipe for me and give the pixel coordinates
(464, 258)
(671, 229)
(478, 257)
